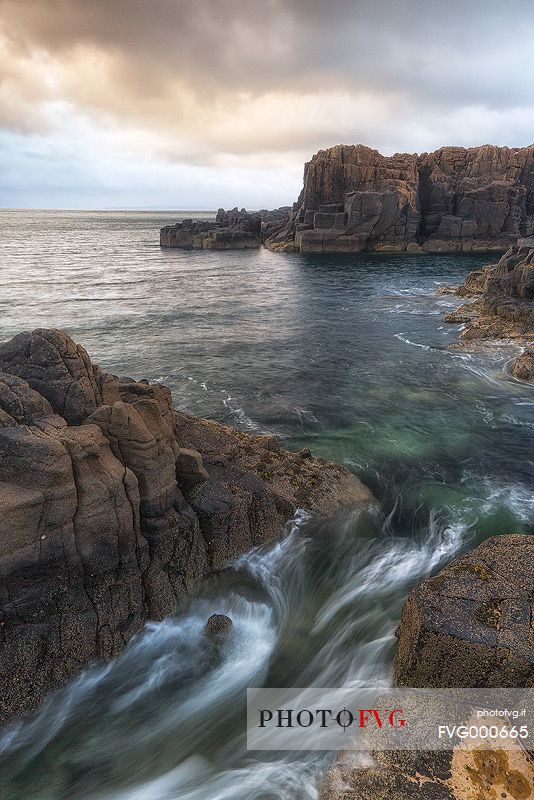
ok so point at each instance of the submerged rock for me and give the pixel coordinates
(113, 507)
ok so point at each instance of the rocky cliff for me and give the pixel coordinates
(113, 505)
(469, 626)
(354, 199)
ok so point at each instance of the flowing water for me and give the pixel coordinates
(347, 355)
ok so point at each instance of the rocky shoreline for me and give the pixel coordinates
(113, 506)
(231, 230)
(355, 199)
(502, 304)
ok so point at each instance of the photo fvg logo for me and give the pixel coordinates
(386, 718)
(324, 717)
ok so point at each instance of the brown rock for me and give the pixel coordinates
(140, 438)
(295, 479)
(468, 626)
(504, 308)
(454, 199)
(190, 469)
(344, 782)
(523, 366)
(60, 371)
(70, 561)
(219, 626)
(471, 624)
(96, 535)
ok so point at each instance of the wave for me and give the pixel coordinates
(165, 719)
(404, 338)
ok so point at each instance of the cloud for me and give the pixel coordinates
(243, 84)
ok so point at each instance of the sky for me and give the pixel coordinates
(199, 104)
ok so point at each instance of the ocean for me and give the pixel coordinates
(345, 354)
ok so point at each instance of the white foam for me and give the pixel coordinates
(404, 338)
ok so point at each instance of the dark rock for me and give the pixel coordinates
(323, 220)
(471, 624)
(453, 199)
(190, 470)
(106, 521)
(59, 370)
(244, 461)
(523, 366)
(219, 626)
(232, 230)
(332, 208)
(504, 308)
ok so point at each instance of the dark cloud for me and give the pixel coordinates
(448, 52)
(244, 84)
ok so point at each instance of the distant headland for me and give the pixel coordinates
(355, 199)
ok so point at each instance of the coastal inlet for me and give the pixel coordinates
(346, 355)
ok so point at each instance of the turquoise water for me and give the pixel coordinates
(348, 355)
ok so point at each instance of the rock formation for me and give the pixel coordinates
(232, 230)
(113, 506)
(469, 626)
(505, 308)
(504, 304)
(463, 774)
(523, 366)
(355, 199)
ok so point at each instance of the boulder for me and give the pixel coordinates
(219, 627)
(471, 624)
(523, 366)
